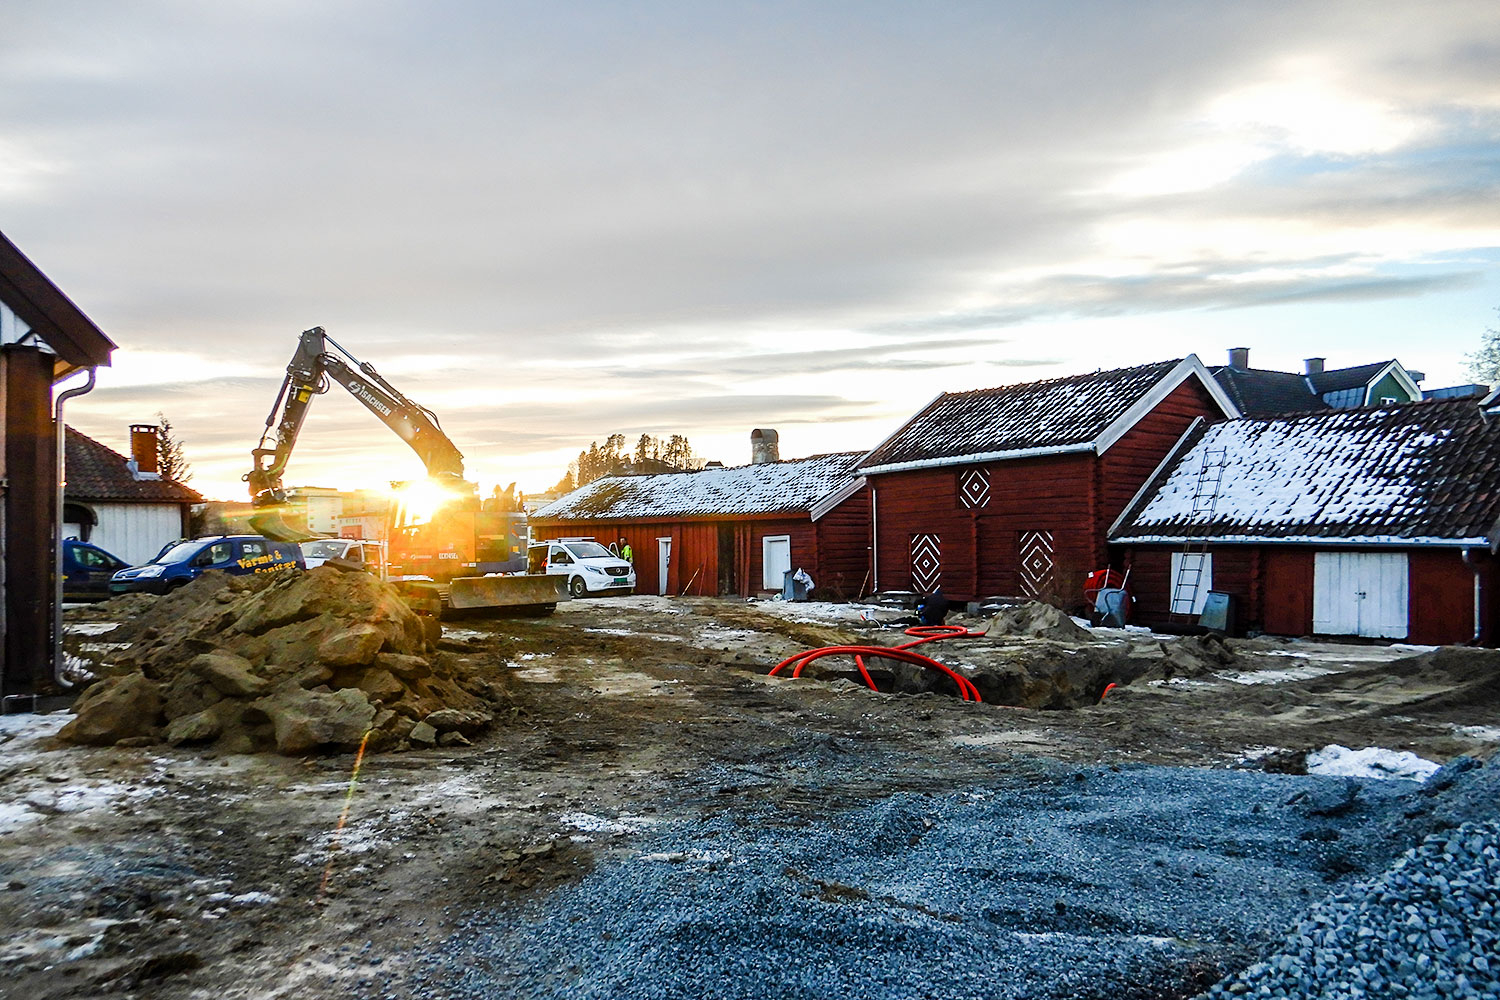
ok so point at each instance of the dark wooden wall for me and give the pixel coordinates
(30, 472)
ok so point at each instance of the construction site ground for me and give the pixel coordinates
(653, 816)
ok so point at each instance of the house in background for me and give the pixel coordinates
(123, 505)
(1260, 392)
(1380, 522)
(729, 530)
(1011, 491)
(44, 338)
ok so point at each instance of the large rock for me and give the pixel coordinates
(312, 720)
(121, 708)
(229, 674)
(351, 647)
(381, 685)
(407, 667)
(466, 721)
(200, 727)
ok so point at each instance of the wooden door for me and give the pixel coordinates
(1360, 593)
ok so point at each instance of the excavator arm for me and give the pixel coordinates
(319, 360)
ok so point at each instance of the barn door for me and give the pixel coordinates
(1037, 576)
(663, 562)
(926, 563)
(1360, 593)
(776, 560)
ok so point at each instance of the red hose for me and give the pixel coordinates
(902, 653)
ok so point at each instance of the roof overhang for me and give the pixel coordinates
(838, 496)
(1188, 367)
(987, 456)
(52, 316)
(601, 519)
(1397, 369)
(1319, 541)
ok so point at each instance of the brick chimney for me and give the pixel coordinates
(143, 444)
(1239, 357)
(1313, 366)
(764, 446)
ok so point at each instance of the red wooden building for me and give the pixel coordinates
(729, 531)
(1011, 491)
(1375, 522)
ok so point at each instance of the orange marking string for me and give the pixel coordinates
(338, 831)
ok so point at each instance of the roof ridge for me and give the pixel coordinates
(1097, 373)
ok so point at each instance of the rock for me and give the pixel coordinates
(381, 685)
(307, 720)
(313, 677)
(467, 722)
(354, 646)
(423, 735)
(121, 708)
(404, 666)
(229, 674)
(454, 739)
(197, 728)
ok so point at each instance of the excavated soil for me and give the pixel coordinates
(649, 813)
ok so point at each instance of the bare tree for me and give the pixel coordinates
(171, 461)
(1484, 364)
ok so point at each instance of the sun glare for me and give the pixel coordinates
(419, 501)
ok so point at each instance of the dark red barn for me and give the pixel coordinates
(729, 531)
(1011, 491)
(1379, 522)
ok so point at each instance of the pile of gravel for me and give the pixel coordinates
(1428, 928)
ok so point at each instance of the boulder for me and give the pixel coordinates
(381, 685)
(199, 727)
(121, 708)
(457, 720)
(352, 647)
(310, 720)
(423, 735)
(404, 666)
(230, 675)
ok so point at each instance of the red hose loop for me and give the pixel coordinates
(1107, 689)
(903, 653)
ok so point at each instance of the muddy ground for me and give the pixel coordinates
(1164, 832)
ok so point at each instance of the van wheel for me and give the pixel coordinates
(176, 585)
(576, 587)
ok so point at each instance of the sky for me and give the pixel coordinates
(550, 222)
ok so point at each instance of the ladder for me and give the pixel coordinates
(1194, 555)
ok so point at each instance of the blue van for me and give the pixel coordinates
(87, 570)
(236, 554)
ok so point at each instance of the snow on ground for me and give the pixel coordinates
(90, 628)
(826, 612)
(1479, 732)
(1275, 676)
(1369, 762)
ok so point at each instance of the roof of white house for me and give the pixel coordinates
(1079, 413)
(793, 486)
(1419, 473)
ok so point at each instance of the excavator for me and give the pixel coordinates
(444, 549)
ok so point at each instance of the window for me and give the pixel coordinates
(1192, 579)
(559, 556)
(1388, 400)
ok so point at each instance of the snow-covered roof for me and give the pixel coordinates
(1078, 413)
(1423, 473)
(793, 486)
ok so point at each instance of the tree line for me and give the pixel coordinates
(650, 455)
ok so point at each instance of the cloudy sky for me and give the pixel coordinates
(553, 221)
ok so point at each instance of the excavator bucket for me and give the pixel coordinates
(281, 525)
(529, 591)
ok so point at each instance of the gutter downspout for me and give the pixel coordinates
(874, 540)
(1478, 618)
(57, 529)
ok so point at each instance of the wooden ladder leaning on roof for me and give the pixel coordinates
(1194, 554)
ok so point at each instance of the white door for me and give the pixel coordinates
(776, 559)
(663, 562)
(1360, 593)
(1192, 579)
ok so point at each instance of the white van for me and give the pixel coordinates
(353, 550)
(589, 566)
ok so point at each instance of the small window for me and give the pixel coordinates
(1388, 400)
(560, 557)
(219, 552)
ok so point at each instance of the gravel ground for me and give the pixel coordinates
(1059, 882)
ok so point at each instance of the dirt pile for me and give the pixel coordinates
(1038, 621)
(294, 662)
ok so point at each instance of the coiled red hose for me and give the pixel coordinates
(902, 653)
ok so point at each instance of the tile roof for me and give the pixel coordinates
(98, 472)
(793, 487)
(1259, 392)
(1347, 378)
(1052, 415)
(1417, 472)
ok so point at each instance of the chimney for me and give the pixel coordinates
(1239, 357)
(764, 446)
(1314, 366)
(143, 442)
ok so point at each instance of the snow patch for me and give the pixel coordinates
(1369, 762)
(1276, 676)
(589, 823)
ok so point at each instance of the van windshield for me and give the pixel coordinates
(328, 548)
(178, 553)
(588, 550)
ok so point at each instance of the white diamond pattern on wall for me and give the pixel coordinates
(1038, 571)
(926, 563)
(974, 487)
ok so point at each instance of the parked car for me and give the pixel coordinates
(239, 555)
(87, 570)
(589, 566)
(350, 550)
